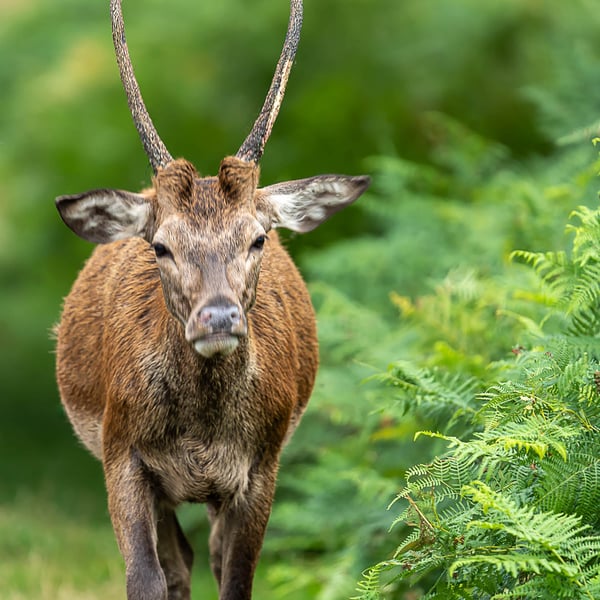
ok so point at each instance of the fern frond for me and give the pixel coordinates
(551, 531)
(438, 391)
(572, 487)
(533, 433)
(515, 564)
(585, 320)
(587, 234)
(553, 268)
(369, 586)
(586, 289)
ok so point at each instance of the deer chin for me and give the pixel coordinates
(216, 344)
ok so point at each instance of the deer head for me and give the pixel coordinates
(208, 234)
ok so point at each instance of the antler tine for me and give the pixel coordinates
(155, 149)
(253, 147)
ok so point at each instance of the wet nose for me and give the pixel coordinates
(220, 318)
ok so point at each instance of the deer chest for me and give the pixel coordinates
(193, 471)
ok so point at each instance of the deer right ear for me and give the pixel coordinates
(103, 216)
(303, 204)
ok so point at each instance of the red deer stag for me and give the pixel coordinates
(187, 350)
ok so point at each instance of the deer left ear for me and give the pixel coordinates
(304, 204)
(103, 216)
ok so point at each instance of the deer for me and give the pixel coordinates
(187, 349)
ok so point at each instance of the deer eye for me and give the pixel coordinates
(259, 242)
(161, 250)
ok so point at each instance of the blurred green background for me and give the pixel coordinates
(473, 116)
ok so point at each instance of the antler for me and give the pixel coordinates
(254, 145)
(155, 149)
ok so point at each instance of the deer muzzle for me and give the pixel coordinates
(216, 328)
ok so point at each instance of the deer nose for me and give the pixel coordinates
(220, 318)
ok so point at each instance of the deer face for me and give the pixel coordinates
(209, 235)
(209, 243)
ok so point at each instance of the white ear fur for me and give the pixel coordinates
(304, 204)
(103, 216)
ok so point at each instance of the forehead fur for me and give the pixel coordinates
(180, 188)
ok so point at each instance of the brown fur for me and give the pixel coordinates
(169, 425)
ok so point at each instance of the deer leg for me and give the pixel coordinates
(238, 530)
(175, 554)
(215, 542)
(132, 506)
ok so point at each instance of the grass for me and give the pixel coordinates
(47, 554)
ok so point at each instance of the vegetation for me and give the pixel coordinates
(511, 510)
(449, 300)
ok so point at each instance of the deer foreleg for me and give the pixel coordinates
(132, 506)
(175, 554)
(237, 532)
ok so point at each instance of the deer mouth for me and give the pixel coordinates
(216, 327)
(216, 343)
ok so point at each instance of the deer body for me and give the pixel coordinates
(173, 400)
(199, 430)
(187, 349)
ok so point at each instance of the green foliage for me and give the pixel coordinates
(445, 98)
(573, 283)
(511, 508)
(455, 332)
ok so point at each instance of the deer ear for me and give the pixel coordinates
(304, 204)
(103, 216)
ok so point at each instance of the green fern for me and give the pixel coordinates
(511, 509)
(442, 395)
